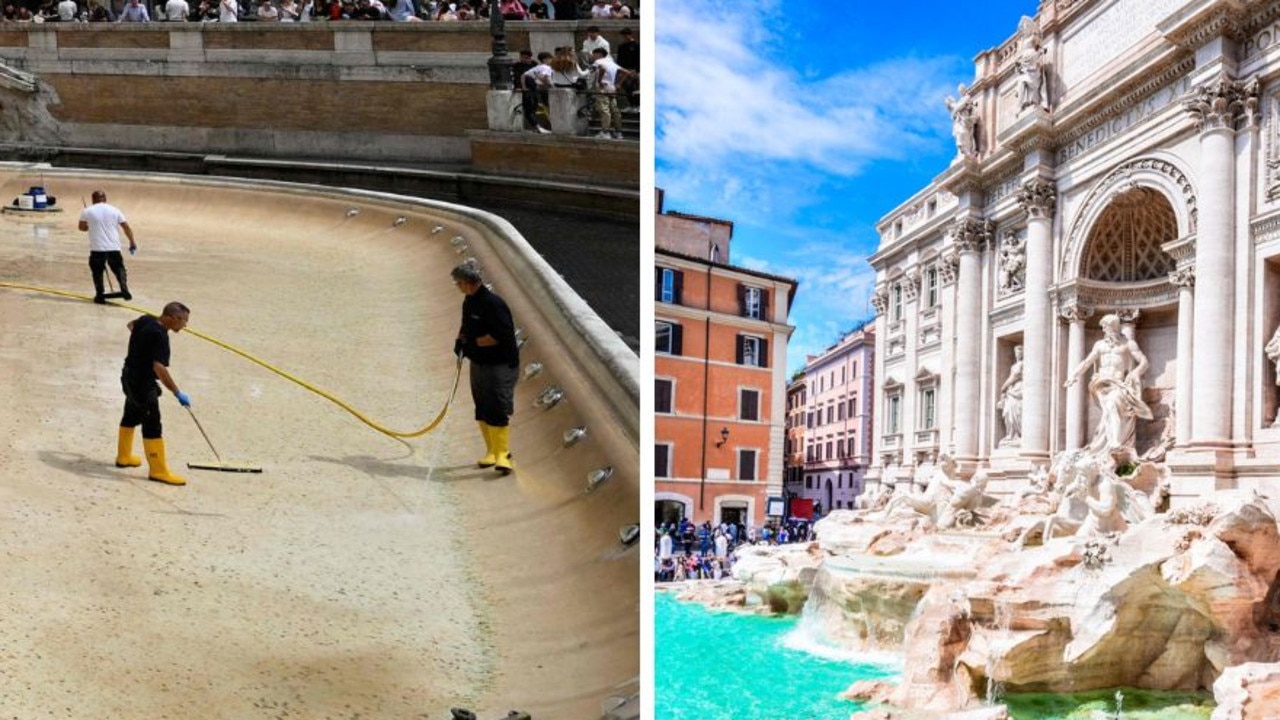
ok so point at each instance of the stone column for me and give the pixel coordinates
(1077, 407)
(1216, 106)
(879, 302)
(1037, 199)
(910, 416)
(1183, 400)
(970, 237)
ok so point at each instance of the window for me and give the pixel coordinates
(663, 396)
(753, 302)
(830, 415)
(897, 302)
(853, 404)
(840, 411)
(746, 464)
(931, 287)
(753, 351)
(670, 285)
(808, 482)
(668, 337)
(893, 413)
(829, 455)
(662, 460)
(809, 420)
(928, 403)
(840, 448)
(748, 404)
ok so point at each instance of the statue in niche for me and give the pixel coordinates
(964, 121)
(1010, 403)
(1272, 349)
(1031, 66)
(1118, 364)
(1013, 262)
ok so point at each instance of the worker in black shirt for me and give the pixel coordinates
(488, 339)
(148, 362)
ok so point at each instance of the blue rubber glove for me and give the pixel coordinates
(184, 398)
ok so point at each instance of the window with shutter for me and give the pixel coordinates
(663, 395)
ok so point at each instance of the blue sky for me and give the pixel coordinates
(805, 122)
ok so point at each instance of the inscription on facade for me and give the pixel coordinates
(1109, 33)
(1141, 110)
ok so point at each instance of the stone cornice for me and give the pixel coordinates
(1131, 96)
(1224, 18)
(1266, 229)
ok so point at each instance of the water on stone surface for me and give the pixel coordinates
(711, 664)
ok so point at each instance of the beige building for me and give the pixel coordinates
(1114, 157)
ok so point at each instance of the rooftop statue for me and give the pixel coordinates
(964, 121)
(1031, 66)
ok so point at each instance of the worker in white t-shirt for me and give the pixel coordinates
(103, 221)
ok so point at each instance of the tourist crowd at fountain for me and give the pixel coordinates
(685, 551)
(309, 10)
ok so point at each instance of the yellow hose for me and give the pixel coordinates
(322, 393)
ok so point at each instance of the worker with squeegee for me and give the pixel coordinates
(147, 362)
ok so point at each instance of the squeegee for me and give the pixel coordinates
(219, 465)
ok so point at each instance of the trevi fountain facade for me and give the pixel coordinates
(1076, 475)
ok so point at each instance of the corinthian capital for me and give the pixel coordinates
(1038, 198)
(880, 299)
(1222, 101)
(971, 234)
(1075, 313)
(1185, 277)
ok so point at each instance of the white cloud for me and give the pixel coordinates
(721, 101)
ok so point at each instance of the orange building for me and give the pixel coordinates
(720, 376)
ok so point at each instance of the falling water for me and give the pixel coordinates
(1119, 706)
(1001, 627)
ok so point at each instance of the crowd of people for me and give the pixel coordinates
(310, 10)
(593, 71)
(685, 551)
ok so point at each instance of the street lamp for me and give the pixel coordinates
(724, 437)
(500, 61)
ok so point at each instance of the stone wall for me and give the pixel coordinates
(343, 91)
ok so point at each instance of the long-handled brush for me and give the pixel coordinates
(222, 466)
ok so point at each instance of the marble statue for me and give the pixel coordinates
(1272, 350)
(965, 501)
(1010, 403)
(937, 492)
(964, 121)
(1031, 66)
(1118, 364)
(1094, 500)
(1013, 262)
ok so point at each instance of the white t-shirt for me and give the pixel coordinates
(177, 10)
(588, 45)
(608, 80)
(104, 226)
(227, 10)
(67, 10)
(541, 73)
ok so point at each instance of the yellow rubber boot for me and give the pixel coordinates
(501, 448)
(490, 457)
(124, 449)
(158, 468)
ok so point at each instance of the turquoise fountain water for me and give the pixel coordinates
(712, 665)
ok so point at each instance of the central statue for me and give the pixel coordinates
(1118, 364)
